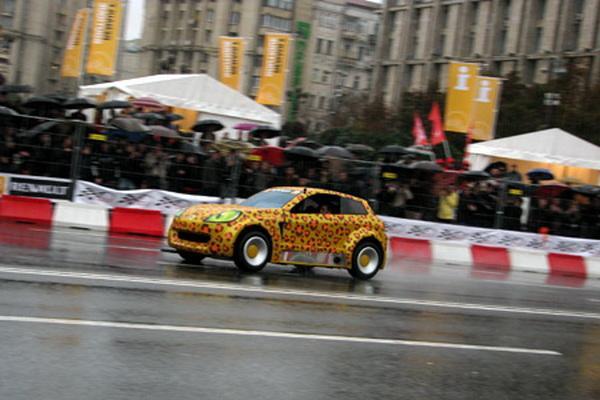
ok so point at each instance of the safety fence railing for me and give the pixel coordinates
(230, 169)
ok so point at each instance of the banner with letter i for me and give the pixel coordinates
(459, 96)
(274, 68)
(231, 58)
(73, 57)
(104, 43)
(485, 107)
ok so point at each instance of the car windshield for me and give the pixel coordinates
(270, 199)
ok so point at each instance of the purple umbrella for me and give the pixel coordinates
(245, 126)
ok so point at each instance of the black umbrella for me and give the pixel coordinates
(426, 166)
(4, 111)
(588, 190)
(496, 165)
(60, 97)
(52, 127)
(334, 151)
(78, 104)
(129, 125)
(300, 152)
(41, 102)
(358, 148)
(114, 105)
(311, 144)
(392, 149)
(265, 132)
(150, 117)
(163, 131)
(474, 176)
(208, 125)
(15, 89)
(540, 174)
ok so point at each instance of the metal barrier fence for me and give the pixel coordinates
(76, 150)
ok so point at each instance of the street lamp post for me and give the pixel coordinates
(551, 100)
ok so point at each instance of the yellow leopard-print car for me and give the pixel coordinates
(285, 225)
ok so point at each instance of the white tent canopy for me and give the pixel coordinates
(198, 92)
(552, 146)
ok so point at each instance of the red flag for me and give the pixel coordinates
(419, 132)
(437, 130)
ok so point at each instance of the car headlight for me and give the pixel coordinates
(225, 216)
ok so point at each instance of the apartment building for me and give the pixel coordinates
(340, 57)
(535, 38)
(181, 36)
(32, 40)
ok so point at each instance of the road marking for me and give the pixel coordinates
(298, 293)
(594, 300)
(112, 246)
(272, 334)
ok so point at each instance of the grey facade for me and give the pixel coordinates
(535, 38)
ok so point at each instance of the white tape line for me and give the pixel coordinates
(271, 334)
(298, 293)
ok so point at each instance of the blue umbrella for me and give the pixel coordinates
(540, 174)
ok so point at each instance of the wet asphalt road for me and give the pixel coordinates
(85, 316)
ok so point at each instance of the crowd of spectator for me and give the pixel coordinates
(226, 173)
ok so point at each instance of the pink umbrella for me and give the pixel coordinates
(245, 126)
(148, 102)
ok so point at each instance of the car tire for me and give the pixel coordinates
(252, 251)
(190, 257)
(367, 259)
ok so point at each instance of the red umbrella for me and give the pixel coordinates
(551, 190)
(148, 102)
(271, 154)
(245, 126)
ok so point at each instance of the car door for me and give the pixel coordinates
(309, 234)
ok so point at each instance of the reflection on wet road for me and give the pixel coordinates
(83, 315)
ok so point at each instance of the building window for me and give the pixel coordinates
(325, 76)
(356, 83)
(210, 16)
(315, 75)
(271, 21)
(319, 49)
(321, 103)
(283, 4)
(208, 35)
(329, 47)
(537, 45)
(234, 18)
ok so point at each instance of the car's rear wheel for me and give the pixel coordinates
(252, 251)
(366, 260)
(190, 257)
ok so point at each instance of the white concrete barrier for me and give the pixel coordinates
(593, 267)
(529, 260)
(83, 216)
(451, 252)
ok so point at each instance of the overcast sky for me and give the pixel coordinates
(135, 18)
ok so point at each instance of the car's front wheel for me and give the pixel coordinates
(190, 257)
(366, 260)
(252, 251)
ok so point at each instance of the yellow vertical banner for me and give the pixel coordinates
(274, 67)
(485, 107)
(73, 58)
(104, 43)
(459, 96)
(231, 58)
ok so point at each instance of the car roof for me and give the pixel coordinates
(311, 190)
